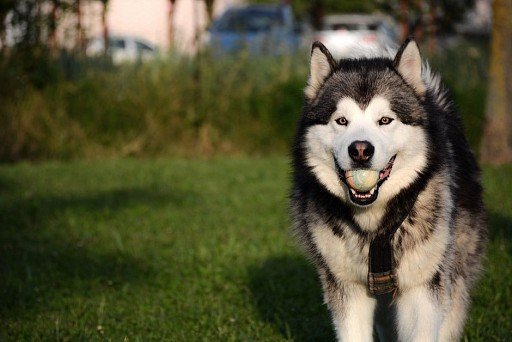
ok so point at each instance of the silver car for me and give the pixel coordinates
(123, 48)
(344, 33)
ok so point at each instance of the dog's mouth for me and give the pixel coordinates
(365, 197)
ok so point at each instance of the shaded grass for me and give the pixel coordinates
(183, 250)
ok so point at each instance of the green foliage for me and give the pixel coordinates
(353, 6)
(182, 250)
(306, 8)
(32, 22)
(464, 70)
(452, 12)
(176, 106)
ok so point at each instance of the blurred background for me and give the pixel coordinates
(144, 160)
(89, 78)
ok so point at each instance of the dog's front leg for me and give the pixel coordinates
(352, 311)
(419, 315)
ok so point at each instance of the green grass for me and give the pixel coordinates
(183, 250)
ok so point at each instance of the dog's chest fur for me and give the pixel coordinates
(419, 245)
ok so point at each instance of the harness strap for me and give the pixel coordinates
(381, 270)
(382, 276)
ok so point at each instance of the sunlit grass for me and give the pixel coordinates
(179, 250)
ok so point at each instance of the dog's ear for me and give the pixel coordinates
(408, 64)
(321, 66)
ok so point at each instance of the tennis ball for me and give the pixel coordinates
(362, 180)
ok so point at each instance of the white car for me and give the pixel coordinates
(343, 34)
(123, 48)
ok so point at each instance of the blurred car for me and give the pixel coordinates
(344, 33)
(259, 29)
(123, 48)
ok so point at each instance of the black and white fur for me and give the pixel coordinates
(438, 247)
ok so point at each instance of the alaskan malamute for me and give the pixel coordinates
(387, 198)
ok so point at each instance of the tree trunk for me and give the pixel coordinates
(38, 23)
(317, 13)
(3, 36)
(209, 9)
(496, 145)
(419, 20)
(79, 30)
(104, 25)
(432, 32)
(170, 23)
(404, 18)
(197, 28)
(52, 37)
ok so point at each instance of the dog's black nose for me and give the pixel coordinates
(361, 151)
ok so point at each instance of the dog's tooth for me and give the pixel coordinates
(353, 191)
(372, 191)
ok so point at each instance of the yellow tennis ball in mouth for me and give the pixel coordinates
(362, 180)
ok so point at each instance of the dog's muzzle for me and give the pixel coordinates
(366, 197)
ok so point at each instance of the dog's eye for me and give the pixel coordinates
(341, 121)
(385, 121)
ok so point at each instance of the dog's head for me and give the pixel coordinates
(365, 114)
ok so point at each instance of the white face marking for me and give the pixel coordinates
(363, 126)
(408, 143)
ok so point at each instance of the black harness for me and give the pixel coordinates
(381, 265)
(382, 277)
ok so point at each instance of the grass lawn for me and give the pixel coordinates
(184, 251)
